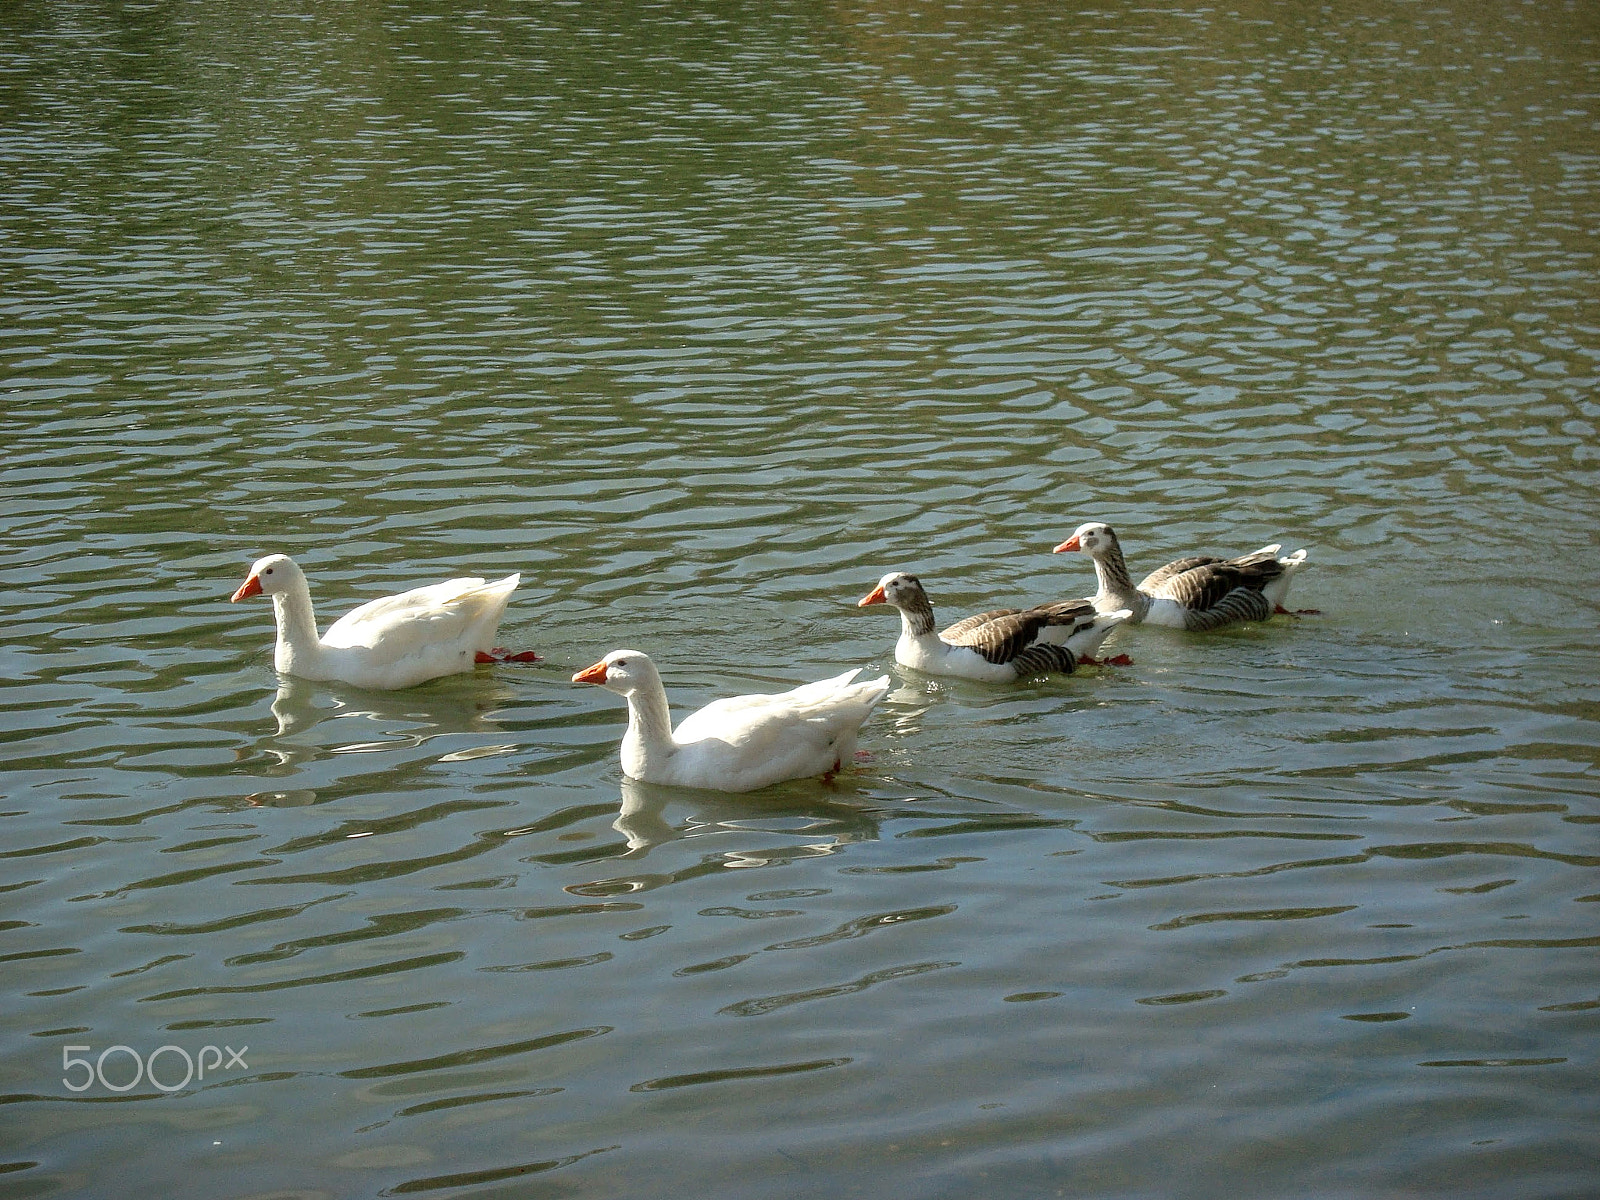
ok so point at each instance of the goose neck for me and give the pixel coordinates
(1116, 588)
(916, 617)
(298, 641)
(648, 741)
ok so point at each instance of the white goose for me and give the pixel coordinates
(1197, 593)
(389, 643)
(740, 743)
(997, 646)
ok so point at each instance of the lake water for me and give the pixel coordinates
(703, 318)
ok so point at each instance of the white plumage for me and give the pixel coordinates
(740, 743)
(393, 642)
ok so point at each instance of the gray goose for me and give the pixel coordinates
(1001, 645)
(1197, 593)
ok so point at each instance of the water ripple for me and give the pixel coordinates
(703, 322)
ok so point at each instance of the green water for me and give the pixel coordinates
(703, 318)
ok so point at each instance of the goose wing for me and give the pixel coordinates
(1263, 560)
(742, 742)
(1178, 566)
(968, 624)
(1001, 638)
(439, 613)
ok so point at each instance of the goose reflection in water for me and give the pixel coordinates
(410, 719)
(789, 809)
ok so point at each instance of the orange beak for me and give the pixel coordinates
(1070, 544)
(250, 587)
(594, 674)
(875, 596)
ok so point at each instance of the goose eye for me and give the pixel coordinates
(268, 571)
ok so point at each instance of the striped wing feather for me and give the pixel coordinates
(1043, 659)
(1076, 613)
(1200, 583)
(968, 624)
(1174, 568)
(1002, 638)
(1241, 604)
(1005, 635)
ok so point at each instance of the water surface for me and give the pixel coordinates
(703, 321)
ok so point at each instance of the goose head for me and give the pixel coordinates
(622, 671)
(1093, 539)
(269, 576)
(896, 588)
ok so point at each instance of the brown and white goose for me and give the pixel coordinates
(1196, 593)
(997, 646)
